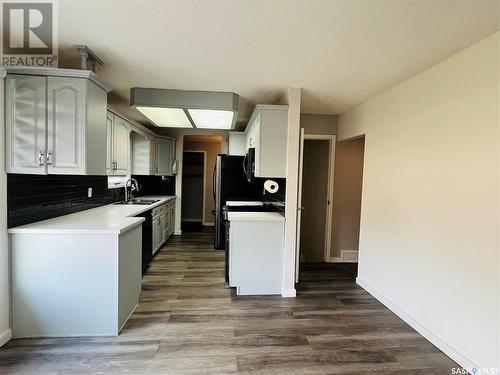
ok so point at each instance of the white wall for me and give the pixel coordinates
(293, 98)
(429, 241)
(4, 245)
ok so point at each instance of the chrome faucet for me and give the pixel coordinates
(134, 186)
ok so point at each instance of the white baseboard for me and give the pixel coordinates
(430, 336)
(289, 293)
(209, 224)
(177, 232)
(5, 337)
(126, 320)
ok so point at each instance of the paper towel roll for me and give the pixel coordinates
(271, 186)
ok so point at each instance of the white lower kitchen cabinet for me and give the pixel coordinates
(74, 284)
(256, 252)
(163, 224)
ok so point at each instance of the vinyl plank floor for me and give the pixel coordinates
(188, 322)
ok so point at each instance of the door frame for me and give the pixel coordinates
(204, 180)
(331, 175)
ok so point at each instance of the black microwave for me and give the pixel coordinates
(249, 164)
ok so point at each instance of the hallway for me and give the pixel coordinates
(189, 323)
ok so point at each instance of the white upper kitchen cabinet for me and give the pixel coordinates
(110, 165)
(165, 156)
(117, 145)
(66, 125)
(143, 154)
(121, 146)
(237, 143)
(267, 132)
(25, 124)
(55, 121)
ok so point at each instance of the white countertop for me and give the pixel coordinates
(109, 219)
(254, 216)
(244, 203)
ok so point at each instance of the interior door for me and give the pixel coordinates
(121, 146)
(66, 125)
(299, 206)
(26, 126)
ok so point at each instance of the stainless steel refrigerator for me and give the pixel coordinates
(230, 184)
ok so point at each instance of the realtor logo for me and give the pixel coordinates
(29, 34)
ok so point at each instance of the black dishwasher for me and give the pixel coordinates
(147, 238)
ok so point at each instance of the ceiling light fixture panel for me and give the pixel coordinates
(184, 108)
(166, 117)
(211, 118)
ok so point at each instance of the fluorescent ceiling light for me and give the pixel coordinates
(211, 118)
(186, 108)
(166, 117)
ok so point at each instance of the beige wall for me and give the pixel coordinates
(212, 149)
(429, 238)
(319, 124)
(347, 195)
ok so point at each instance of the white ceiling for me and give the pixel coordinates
(340, 52)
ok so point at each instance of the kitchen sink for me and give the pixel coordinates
(140, 201)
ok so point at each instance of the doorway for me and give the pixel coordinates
(193, 190)
(316, 195)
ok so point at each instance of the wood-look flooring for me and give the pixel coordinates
(187, 322)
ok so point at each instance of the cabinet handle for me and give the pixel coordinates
(49, 158)
(40, 158)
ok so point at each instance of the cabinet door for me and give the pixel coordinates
(257, 145)
(121, 146)
(270, 152)
(155, 234)
(161, 229)
(164, 157)
(66, 125)
(172, 221)
(110, 165)
(152, 156)
(166, 227)
(25, 124)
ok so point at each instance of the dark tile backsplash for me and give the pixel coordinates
(277, 199)
(32, 198)
(155, 185)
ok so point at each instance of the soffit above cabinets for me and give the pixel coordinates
(170, 108)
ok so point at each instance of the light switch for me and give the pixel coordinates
(89, 193)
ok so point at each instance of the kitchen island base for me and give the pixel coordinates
(74, 284)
